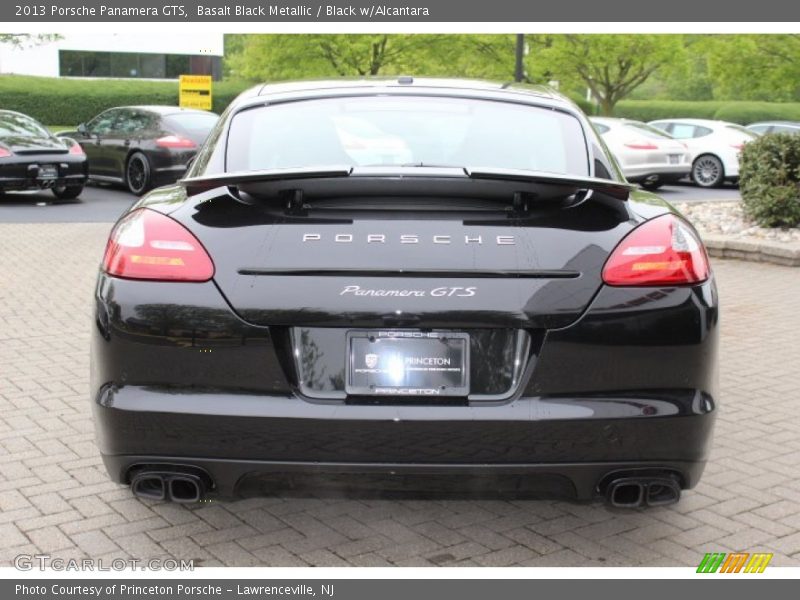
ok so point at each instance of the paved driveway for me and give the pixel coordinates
(55, 497)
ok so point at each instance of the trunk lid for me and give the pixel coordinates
(442, 263)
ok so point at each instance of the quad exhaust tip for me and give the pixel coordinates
(177, 486)
(642, 490)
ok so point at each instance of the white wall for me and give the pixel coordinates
(43, 59)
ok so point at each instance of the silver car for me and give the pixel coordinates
(647, 155)
(775, 127)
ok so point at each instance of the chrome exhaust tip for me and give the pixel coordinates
(643, 490)
(150, 486)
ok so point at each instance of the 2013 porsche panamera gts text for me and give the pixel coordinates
(408, 277)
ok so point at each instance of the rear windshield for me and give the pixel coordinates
(189, 123)
(412, 130)
(740, 129)
(648, 130)
(11, 124)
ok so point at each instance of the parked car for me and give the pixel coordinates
(647, 155)
(32, 158)
(714, 147)
(774, 127)
(142, 147)
(502, 302)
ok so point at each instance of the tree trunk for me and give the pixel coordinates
(607, 106)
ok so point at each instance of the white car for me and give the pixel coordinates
(714, 147)
(646, 155)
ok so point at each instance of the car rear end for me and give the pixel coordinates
(181, 135)
(645, 154)
(402, 318)
(31, 158)
(730, 139)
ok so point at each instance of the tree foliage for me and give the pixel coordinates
(21, 40)
(296, 56)
(611, 66)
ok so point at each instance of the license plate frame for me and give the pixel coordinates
(47, 172)
(403, 363)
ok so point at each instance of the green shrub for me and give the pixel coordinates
(650, 110)
(769, 180)
(751, 112)
(54, 100)
(736, 112)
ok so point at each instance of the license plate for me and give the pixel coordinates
(407, 363)
(48, 172)
(674, 159)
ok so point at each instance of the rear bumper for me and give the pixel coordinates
(22, 172)
(630, 384)
(582, 438)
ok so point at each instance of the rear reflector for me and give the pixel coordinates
(4, 152)
(148, 245)
(662, 251)
(642, 145)
(174, 141)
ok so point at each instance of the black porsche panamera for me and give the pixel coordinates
(32, 158)
(406, 276)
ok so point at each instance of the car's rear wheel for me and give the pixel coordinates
(138, 174)
(67, 192)
(707, 171)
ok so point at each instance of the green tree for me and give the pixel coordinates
(278, 57)
(20, 40)
(755, 67)
(611, 66)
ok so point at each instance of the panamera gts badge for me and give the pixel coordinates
(412, 238)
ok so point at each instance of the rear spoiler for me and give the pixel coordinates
(503, 185)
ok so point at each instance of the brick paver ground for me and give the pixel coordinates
(55, 497)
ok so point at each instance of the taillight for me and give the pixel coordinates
(148, 245)
(737, 146)
(641, 145)
(76, 149)
(4, 152)
(662, 251)
(174, 141)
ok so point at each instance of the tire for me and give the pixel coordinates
(651, 185)
(67, 192)
(707, 171)
(138, 176)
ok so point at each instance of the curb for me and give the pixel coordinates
(787, 255)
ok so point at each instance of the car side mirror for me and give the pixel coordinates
(82, 129)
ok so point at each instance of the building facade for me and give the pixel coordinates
(118, 55)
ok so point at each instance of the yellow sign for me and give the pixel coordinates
(195, 91)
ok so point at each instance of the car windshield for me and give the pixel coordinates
(648, 130)
(408, 130)
(13, 124)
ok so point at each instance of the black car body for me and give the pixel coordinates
(142, 147)
(455, 309)
(31, 158)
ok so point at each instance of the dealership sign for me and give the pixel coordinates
(195, 91)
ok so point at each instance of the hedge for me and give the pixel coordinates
(60, 101)
(736, 112)
(72, 101)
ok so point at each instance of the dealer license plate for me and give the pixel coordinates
(47, 172)
(407, 363)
